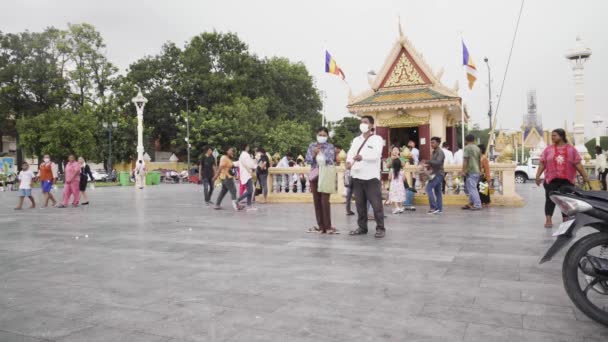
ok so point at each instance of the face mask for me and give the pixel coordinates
(46, 160)
(364, 128)
(321, 139)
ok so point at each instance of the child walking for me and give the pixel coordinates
(396, 194)
(26, 176)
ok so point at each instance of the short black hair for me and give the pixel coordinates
(369, 118)
(436, 139)
(482, 148)
(445, 144)
(323, 129)
(469, 138)
(598, 149)
(244, 146)
(261, 150)
(206, 148)
(289, 155)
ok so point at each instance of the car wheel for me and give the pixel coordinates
(520, 179)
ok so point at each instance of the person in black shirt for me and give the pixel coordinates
(207, 169)
(85, 173)
(262, 172)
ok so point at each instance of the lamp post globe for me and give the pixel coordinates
(140, 102)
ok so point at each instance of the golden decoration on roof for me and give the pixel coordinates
(404, 74)
(404, 120)
(417, 96)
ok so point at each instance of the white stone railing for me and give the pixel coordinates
(281, 185)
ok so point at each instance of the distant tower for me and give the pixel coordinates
(532, 119)
(578, 56)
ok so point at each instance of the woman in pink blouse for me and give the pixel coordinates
(71, 182)
(560, 162)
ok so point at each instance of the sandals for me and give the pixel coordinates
(314, 229)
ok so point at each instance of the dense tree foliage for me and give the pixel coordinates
(59, 87)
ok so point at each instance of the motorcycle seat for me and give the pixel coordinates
(600, 195)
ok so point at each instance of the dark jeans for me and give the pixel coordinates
(364, 191)
(227, 185)
(349, 198)
(248, 194)
(322, 207)
(485, 199)
(555, 185)
(433, 191)
(263, 179)
(602, 178)
(208, 188)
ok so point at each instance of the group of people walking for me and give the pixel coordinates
(76, 177)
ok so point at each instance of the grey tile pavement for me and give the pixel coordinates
(156, 265)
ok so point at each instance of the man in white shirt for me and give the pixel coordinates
(458, 155)
(449, 156)
(415, 152)
(364, 159)
(246, 167)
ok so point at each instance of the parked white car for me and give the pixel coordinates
(100, 175)
(527, 171)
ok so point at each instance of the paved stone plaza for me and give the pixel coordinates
(157, 266)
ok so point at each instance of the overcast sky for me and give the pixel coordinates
(360, 34)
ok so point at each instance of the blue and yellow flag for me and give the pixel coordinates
(331, 67)
(469, 66)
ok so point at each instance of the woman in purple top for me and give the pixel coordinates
(320, 153)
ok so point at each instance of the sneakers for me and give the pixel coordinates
(434, 211)
(397, 211)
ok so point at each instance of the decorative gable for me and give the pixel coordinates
(404, 72)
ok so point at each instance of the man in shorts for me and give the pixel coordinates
(46, 178)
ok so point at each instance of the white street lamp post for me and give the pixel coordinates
(188, 142)
(140, 101)
(578, 56)
(598, 129)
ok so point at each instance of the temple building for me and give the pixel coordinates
(408, 101)
(532, 127)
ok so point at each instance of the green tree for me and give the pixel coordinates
(345, 131)
(243, 121)
(60, 132)
(90, 73)
(289, 136)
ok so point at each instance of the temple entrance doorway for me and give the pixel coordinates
(401, 136)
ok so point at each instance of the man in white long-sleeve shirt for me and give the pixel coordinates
(458, 155)
(364, 160)
(246, 167)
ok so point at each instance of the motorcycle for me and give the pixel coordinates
(585, 266)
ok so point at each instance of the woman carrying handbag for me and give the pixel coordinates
(319, 156)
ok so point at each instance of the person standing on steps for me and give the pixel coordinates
(71, 182)
(364, 159)
(226, 176)
(208, 169)
(85, 173)
(45, 175)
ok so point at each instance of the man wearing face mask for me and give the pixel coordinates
(320, 153)
(45, 175)
(364, 160)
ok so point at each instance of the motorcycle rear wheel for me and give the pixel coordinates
(571, 275)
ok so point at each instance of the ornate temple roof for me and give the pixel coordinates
(404, 82)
